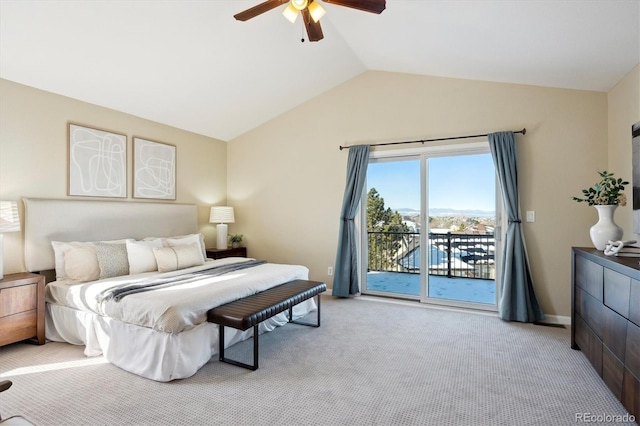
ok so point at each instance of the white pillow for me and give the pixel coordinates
(197, 239)
(60, 249)
(178, 257)
(182, 239)
(141, 257)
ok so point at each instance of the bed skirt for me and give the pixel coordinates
(146, 352)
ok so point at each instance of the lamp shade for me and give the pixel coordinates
(316, 11)
(9, 218)
(291, 13)
(221, 214)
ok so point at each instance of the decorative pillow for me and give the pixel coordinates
(180, 240)
(186, 240)
(140, 256)
(81, 263)
(60, 250)
(178, 257)
(112, 259)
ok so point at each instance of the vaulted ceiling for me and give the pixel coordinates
(191, 65)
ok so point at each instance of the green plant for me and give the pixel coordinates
(606, 192)
(235, 238)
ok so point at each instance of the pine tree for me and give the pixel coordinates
(386, 230)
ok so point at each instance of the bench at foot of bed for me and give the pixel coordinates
(250, 311)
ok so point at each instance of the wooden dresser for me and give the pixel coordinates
(605, 320)
(22, 308)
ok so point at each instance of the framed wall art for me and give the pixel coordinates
(97, 162)
(154, 170)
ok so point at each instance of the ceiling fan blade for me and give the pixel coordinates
(259, 9)
(314, 30)
(373, 6)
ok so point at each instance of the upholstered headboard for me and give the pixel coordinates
(49, 220)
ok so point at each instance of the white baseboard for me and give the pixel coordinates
(556, 319)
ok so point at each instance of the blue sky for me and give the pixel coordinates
(457, 182)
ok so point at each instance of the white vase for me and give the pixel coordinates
(605, 229)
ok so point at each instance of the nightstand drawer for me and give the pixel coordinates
(18, 299)
(18, 327)
(228, 252)
(22, 308)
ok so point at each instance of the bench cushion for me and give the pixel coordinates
(251, 310)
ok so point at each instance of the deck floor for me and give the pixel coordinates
(459, 289)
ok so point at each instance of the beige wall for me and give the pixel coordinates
(33, 154)
(624, 111)
(286, 178)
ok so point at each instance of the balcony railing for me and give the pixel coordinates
(451, 255)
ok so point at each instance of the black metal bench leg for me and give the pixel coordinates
(306, 323)
(238, 363)
(255, 347)
(221, 342)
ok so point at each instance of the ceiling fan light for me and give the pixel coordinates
(316, 11)
(299, 4)
(291, 13)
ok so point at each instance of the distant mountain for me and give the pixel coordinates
(407, 211)
(447, 212)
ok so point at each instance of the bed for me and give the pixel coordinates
(149, 322)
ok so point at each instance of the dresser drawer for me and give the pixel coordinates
(631, 393)
(632, 358)
(589, 344)
(612, 372)
(589, 276)
(14, 300)
(634, 302)
(591, 310)
(614, 332)
(617, 289)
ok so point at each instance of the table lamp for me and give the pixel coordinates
(9, 222)
(221, 215)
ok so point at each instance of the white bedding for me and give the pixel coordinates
(161, 334)
(178, 308)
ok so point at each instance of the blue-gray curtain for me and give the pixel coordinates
(517, 300)
(345, 281)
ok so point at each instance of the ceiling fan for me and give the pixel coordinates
(311, 11)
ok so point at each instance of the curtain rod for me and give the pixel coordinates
(523, 131)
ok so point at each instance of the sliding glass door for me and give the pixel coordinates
(432, 226)
(393, 218)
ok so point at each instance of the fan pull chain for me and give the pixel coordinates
(302, 32)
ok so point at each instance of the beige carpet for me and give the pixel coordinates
(371, 363)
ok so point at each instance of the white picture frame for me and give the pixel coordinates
(97, 162)
(154, 169)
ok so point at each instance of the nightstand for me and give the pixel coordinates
(21, 308)
(213, 253)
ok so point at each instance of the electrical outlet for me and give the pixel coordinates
(531, 216)
(330, 271)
